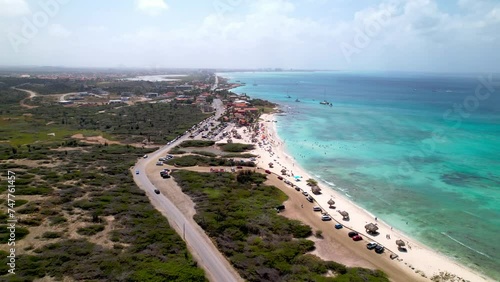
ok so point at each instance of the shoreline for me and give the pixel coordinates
(418, 259)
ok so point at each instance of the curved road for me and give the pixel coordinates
(216, 266)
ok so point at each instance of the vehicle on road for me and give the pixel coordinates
(145, 156)
(239, 167)
(371, 245)
(157, 191)
(326, 217)
(379, 249)
(357, 238)
(137, 172)
(268, 171)
(280, 177)
(316, 208)
(352, 234)
(338, 226)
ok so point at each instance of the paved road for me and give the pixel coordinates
(209, 258)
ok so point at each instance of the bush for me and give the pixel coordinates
(235, 147)
(51, 235)
(196, 143)
(90, 230)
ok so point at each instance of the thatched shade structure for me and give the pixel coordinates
(316, 190)
(372, 228)
(283, 171)
(400, 243)
(344, 214)
(331, 202)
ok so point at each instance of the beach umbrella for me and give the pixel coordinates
(331, 202)
(400, 243)
(370, 227)
(297, 176)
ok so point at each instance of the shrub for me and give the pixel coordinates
(90, 230)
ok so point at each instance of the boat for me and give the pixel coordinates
(297, 100)
(324, 102)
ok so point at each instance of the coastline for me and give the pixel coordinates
(419, 259)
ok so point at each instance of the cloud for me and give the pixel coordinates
(151, 7)
(57, 30)
(13, 8)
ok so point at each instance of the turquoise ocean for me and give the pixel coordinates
(419, 151)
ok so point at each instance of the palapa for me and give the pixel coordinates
(331, 202)
(400, 243)
(372, 228)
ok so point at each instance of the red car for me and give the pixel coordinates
(357, 238)
(268, 171)
(280, 177)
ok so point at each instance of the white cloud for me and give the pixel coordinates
(13, 8)
(151, 7)
(58, 30)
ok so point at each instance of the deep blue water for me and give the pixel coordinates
(408, 147)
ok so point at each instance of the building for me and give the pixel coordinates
(151, 95)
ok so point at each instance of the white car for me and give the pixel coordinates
(159, 163)
(145, 156)
(316, 208)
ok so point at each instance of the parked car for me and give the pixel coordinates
(268, 171)
(161, 159)
(280, 208)
(316, 208)
(240, 167)
(379, 249)
(371, 245)
(305, 193)
(310, 199)
(326, 217)
(357, 238)
(137, 172)
(157, 191)
(338, 226)
(159, 163)
(297, 188)
(352, 234)
(280, 177)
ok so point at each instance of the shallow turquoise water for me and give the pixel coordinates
(394, 144)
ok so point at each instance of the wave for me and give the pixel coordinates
(468, 247)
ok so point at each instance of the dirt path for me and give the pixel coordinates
(32, 94)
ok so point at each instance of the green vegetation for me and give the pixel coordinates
(21, 232)
(196, 143)
(204, 153)
(51, 235)
(90, 182)
(238, 213)
(235, 147)
(195, 160)
(176, 151)
(90, 230)
(242, 156)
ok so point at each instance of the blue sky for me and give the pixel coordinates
(406, 35)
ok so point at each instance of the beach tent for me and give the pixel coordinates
(331, 202)
(297, 176)
(400, 243)
(371, 228)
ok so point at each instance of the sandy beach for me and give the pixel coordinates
(418, 261)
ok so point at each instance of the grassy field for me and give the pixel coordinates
(238, 212)
(80, 215)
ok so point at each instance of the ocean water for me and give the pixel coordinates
(420, 151)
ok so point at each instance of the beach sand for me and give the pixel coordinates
(417, 262)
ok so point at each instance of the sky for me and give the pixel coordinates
(365, 35)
